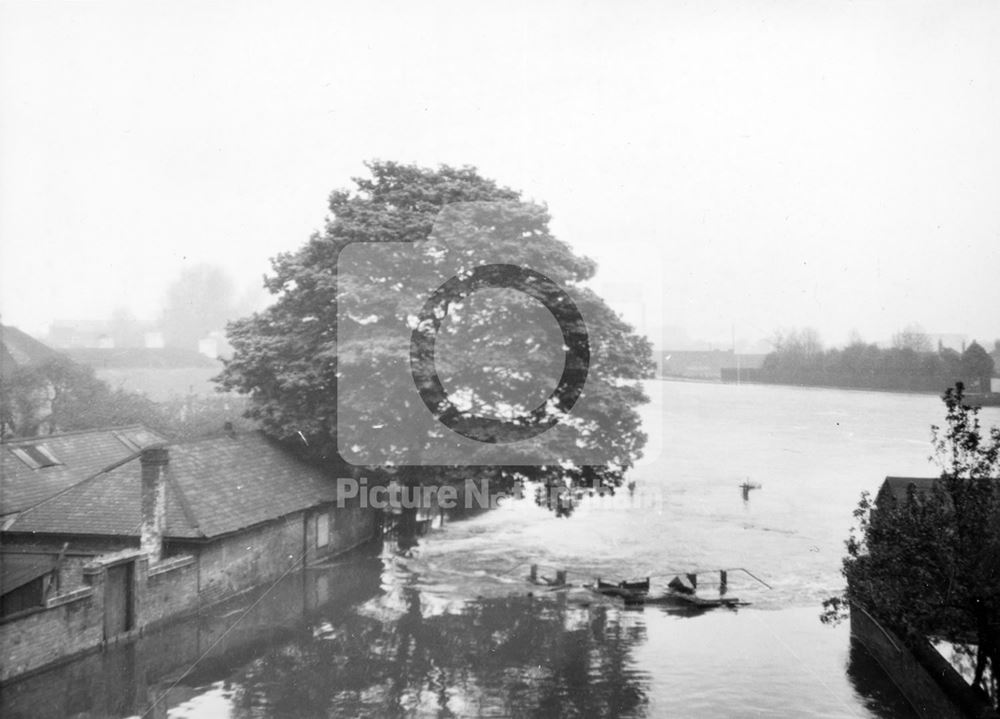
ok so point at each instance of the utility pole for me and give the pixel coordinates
(735, 355)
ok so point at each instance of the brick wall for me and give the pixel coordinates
(123, 679)
(167, 590)
(233, 564)
(72, 622)
(181, 584)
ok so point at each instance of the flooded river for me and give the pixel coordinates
(451, 628)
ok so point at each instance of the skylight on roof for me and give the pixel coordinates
(36, 456)
(136, 439)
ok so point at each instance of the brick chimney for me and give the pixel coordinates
(154, 462)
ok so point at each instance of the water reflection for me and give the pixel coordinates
(520, 656)
(869, 681)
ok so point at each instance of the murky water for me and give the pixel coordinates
(454, 630)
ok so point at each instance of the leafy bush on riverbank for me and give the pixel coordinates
(929, 563)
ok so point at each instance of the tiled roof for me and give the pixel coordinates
(106, 504)
(214, 486)
(81, 455)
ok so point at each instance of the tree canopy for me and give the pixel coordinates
(930, 564)
(977, 365)
(331, 358)
(912, 337)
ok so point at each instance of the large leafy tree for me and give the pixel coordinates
(291, 361)
(977, 366)
(929, 565)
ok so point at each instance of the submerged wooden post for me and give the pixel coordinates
(560, 577)
(723, 582)
(534, 574)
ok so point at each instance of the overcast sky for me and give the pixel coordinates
(757, 165)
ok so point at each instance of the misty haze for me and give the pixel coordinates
(573, 360)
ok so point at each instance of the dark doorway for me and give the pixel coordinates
(118, 600)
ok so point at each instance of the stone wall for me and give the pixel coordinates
(930, 684)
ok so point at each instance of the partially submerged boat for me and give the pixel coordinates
(632, 593)
(641, 586)
(681, 593)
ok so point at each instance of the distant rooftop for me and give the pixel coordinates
(898, 487)
(19, 349)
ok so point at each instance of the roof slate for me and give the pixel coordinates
(214, 487)
(82, 455)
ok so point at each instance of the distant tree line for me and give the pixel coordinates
(911, 364)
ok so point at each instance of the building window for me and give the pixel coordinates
(323, 530)
(36, 456)
(28, 596)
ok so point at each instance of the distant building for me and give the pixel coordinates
(109, 544)
(704, 364)
(102, 334)
(215, 345)
(154, 340)
(895, 490)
